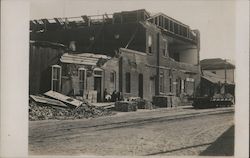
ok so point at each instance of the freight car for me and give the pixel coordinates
(219, 100)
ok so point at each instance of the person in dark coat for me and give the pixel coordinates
(114, 96)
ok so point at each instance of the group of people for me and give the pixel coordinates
(115, 96)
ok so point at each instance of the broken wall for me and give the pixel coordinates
(102, 39)
(111, 75)
(40, 61)
(178, 77)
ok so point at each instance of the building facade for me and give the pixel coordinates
(131, 52)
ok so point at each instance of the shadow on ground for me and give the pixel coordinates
(223, 146)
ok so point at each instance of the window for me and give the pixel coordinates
(164, 49)
(98, 72)
(166, 26)
(156, 20)
(170, 74)
(56, 78)
(113, 78)
(161, 82)
(170, 84)
(171, 26)
(127, 77)
(82, 76)
(183, 86)
(150, 44)
(175, 28)
(161, 21)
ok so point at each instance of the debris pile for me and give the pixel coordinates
(45, 112)
(87, 111)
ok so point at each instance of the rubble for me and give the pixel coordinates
(63, 98)
(45, 111)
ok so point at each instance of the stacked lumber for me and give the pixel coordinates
(143, 104)
(160, 101)
(125, 106)
(166, 101)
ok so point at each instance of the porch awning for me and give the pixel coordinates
(83, 58)
(214, 78)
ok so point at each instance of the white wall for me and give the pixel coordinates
(189, 56)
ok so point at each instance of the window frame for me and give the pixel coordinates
(82, 81)
(57, 78)
(113, 78)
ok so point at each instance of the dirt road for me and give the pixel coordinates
(180, 131)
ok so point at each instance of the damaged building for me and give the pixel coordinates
(131, 52)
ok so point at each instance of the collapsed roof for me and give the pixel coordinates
(215, 64)
(213, 78)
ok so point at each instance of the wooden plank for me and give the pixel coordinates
(44, 100)
(63, 98)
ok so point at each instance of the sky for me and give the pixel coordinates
(215, 19)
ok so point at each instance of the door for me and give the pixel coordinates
(140, 87)
(98, 87)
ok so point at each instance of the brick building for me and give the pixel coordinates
(132, 52)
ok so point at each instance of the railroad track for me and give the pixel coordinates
(73, 130)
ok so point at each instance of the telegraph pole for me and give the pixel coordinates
(225, 69)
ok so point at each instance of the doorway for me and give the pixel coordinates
(98, 87)
(140, 85)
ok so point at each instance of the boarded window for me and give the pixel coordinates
(161, 82)
(128, 78)
(56, 78)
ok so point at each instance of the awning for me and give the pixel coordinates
(214, 78)
(83, 58)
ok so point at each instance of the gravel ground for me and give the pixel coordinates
(180, 131)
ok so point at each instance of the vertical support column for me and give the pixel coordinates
(120, 75)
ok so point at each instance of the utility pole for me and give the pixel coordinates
(225, 69)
